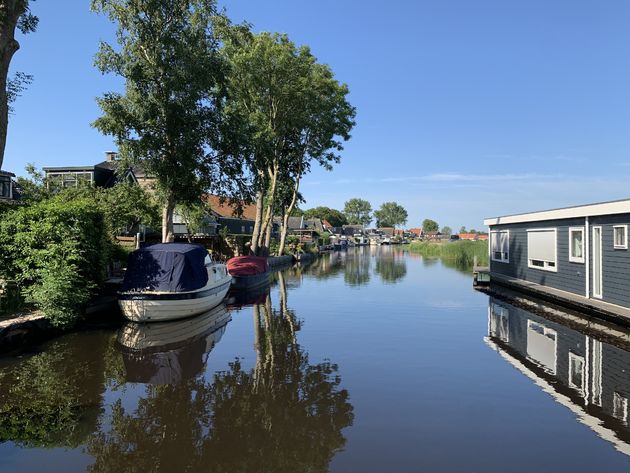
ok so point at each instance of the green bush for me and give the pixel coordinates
(56, 251)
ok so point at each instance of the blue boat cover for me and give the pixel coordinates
(168, 267)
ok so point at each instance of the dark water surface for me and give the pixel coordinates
(368, 361)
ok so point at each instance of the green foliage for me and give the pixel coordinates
(446, 230)
(334, 217)
(56, 251)
(462, 229)
(390, 215)
(170, 117)
(461, 252)
(358, 212)
(429, 225)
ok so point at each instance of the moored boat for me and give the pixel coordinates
(170, 281)
(248, 272)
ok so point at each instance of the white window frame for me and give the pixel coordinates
(575, 259)
(546, 264)
(491, 239)
(620, 406)
(624, 246)
(572, 357)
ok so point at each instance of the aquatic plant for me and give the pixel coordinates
(462, 253)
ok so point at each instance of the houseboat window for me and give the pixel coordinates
(5, 187)
(500, 245)
(541, 249)
(620, 234)
(576, 245)
(620, 406)
(576, 371)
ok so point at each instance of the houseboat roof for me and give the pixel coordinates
(589, 210)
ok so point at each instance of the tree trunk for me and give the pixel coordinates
(10, 11)
(268, 221)
(167, 220)
(285, 218)
(257, 223)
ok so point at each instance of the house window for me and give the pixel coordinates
(500, 246)
(242, 228)
(620, 237)
(576, 371)
(541, 249)
(576, 245)
(5, 187)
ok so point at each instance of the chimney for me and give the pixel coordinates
(111, 156)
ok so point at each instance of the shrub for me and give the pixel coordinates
(56, 251)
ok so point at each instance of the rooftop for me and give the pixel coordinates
(588, 210)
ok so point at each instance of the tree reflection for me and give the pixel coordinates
(357, 268)
(391, 266)
(42, 404)
(283, 415)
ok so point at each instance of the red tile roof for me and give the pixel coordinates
(229, 208)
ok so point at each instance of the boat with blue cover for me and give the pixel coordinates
(170, 281)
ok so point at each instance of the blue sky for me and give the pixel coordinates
(465, 109)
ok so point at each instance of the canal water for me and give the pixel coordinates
(367, 361)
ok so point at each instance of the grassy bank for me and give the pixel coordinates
(461, 253)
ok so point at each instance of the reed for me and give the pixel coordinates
(462, 253)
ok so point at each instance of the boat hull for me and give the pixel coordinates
(240, 283)
(161, 307)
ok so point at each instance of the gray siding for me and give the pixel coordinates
(615, 263)
(570, 277)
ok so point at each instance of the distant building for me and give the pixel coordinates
(416, 231)
(8, 190)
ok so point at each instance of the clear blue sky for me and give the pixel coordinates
(466, 109)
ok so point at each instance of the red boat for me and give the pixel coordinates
(248, 272)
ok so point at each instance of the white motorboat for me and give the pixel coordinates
(171, 281)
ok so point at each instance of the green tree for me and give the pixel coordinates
(13, 14)
(390, 215)
(446, 230)
(295, 113)
(334, 217)
(462, 229)
(358, 211)
(429, 225)
(170, 117)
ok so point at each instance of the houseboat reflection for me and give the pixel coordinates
(573, 365)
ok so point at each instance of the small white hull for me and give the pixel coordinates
(161, 307)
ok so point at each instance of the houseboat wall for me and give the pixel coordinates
(569, 276)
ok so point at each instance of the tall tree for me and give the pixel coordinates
(446, 230)
(358, 212)
(296, 113)
(390, 214)
(13, 14)
(170, 117)
(429, 225)
(334, 217)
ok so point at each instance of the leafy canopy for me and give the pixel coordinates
(358, 212)
(334, 217)
(390, 214)
(429, 225)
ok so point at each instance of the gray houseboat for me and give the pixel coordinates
(577, 254)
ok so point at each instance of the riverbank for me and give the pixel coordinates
(462, 253)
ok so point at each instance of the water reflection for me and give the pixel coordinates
(144, 400)
(170, 352)
(358, 265)
(283, 415)
(572, 364)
